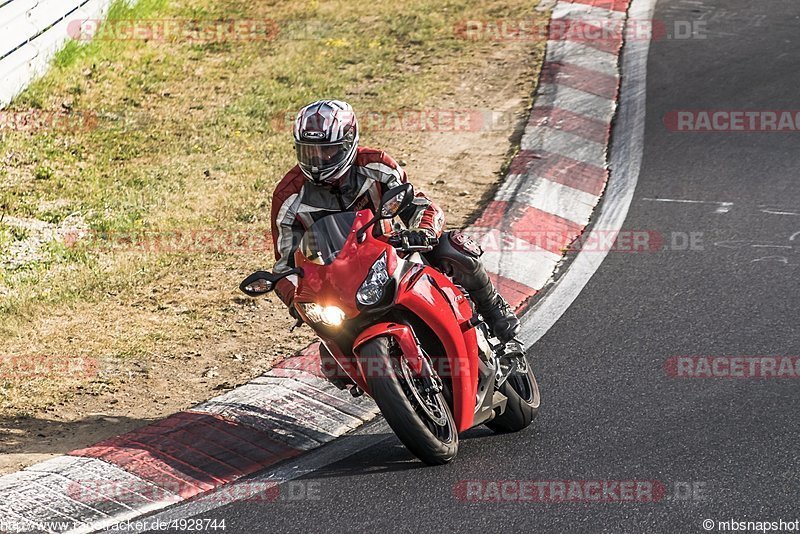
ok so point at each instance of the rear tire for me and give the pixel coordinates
(522, 407)
(432, 443)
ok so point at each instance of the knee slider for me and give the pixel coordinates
(458, 252)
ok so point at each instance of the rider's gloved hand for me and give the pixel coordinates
(417, 237)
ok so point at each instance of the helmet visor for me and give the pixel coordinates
(321, 156)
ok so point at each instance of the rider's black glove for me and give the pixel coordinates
(416, 238)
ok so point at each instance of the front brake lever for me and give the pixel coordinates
(424, 248)
(403, 246)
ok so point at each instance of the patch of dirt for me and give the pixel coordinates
(458, 169)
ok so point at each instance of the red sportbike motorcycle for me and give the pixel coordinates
(404, 333)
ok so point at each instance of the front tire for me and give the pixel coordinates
(429, 433)
(522, 407)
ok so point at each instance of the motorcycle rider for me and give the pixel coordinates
(334, 174)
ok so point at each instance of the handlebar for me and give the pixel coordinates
(401, 243)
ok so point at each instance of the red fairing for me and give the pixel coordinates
(425, 292)
(337, 283)
(404, 337)
(436, 301)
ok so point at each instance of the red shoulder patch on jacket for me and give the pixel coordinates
(289, 184)
(368, 155)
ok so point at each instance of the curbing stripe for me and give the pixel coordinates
(323, 395)
(573, 123)
(300, 418)
(560, 169)
(581, 55)
(564, 144)
(586, 80)
(28, 502)
(578, 101)
(166, 453)
(551, 197)
(616, 8)
(545, 230)
(514, 258)
(586, 11)
(584, 31)
(516, 294)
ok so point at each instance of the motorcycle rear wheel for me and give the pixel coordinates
(422, 421)
(522, 406)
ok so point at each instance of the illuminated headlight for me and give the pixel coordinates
(327, 315)
(371, 290)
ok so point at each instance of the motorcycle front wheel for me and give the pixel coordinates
(421, 419)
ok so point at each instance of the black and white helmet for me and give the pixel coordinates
(326, 140)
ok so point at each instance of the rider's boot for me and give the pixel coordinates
(498, 315)
(459, 256)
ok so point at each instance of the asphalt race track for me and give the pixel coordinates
(611, 411)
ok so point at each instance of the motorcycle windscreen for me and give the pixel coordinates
(324, 240)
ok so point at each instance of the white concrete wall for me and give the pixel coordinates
(31, 32)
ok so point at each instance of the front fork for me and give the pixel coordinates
(431, 381)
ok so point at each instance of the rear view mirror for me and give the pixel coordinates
(396, 200)
(261, 282)
(258, 283)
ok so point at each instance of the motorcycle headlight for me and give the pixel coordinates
(327, 315)
(371, 290)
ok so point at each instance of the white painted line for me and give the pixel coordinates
(626, 161)
(772, 210)
(574, 100)
(775, 212)
(722, 207)
(582, 55)
(548, 196)
(564, 144)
